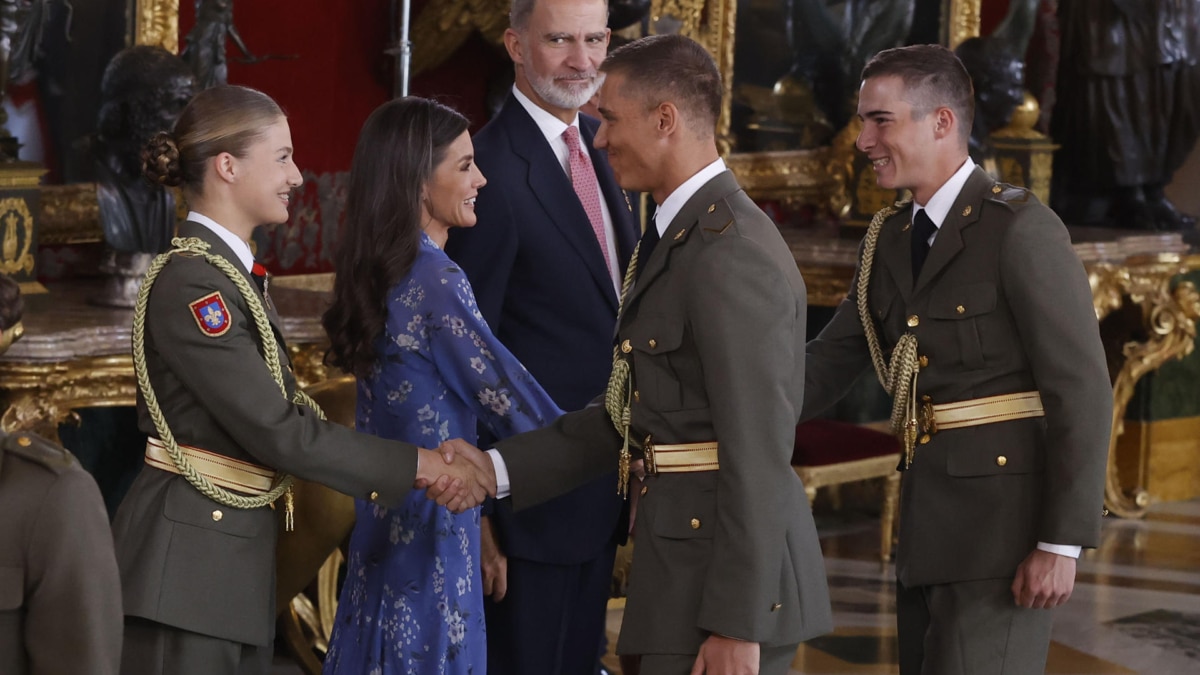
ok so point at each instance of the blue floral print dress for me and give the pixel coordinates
(412, 601)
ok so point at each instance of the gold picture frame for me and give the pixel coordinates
(70, 213)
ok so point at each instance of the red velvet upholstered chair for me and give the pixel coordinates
(829, 453)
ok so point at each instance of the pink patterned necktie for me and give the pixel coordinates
(583, 179)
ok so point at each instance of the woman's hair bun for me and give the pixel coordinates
(160, 160)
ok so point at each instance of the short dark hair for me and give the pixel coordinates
(671, 68)
(933, 77)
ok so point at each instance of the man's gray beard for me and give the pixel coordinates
(567, 99)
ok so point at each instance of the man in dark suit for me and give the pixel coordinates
(554, 236)
(707, 383)
(1006, 452)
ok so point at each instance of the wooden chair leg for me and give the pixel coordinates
(887, 516)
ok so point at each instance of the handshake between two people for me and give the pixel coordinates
(456, 475)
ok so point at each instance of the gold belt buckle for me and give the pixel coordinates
(648, 453)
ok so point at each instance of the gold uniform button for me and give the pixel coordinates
(626, 347)
(1001, 460)
(637, 396)
(24, 441)
(653, 343)
(374, 495)
(996, 189)
(695, 523)
(914, 321)
(712, 207)
(960, 309)
(967, 211)
(775, 607)
(217, 515)
(925, 439)
(645, 489)
(924, 361)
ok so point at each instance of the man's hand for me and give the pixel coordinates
(720, 655)
(1044, 580)
(476, 463)
(493, 563)
(458, 487)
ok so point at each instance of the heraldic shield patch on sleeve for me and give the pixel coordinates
(211, 315)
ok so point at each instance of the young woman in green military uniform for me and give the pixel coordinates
(195, 538)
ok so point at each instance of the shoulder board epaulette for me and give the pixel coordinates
(717, 219)
(38, 450)
(1010, 194)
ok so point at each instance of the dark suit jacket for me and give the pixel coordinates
(180, 565)
(542, 284)
(1002, 305)
(714, 327)
(60, 595)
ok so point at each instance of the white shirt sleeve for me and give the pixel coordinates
(502, 486)
(1060, 549)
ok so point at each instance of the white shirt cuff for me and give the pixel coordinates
(1060, 549)
(502, 486)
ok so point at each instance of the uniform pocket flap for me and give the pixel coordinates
(962, 302)
(686, 518)
(184, 504)
(654, 335)
(12, 588)
(965, 461)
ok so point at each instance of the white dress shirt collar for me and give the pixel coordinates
(240, 248)
(674, 202)
(939, 204)
(550, 126)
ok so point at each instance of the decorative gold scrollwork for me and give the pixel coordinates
(158, 24)
(1169, 310)
(16, 223)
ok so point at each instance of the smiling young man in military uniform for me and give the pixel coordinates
(998, 371)
(60, 593)
(727, 572)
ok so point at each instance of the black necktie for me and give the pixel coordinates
(649, 241)
(923, 229)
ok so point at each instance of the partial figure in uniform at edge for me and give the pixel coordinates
(989, 334)
(195, 538)
(727, 573)
(60, 593)
(404, 320)
(546, 260)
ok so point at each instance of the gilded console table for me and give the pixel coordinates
(78, 355)
(1152, 314)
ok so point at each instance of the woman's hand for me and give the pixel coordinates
(494, 564)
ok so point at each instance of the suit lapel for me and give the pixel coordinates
(893, 250)
(964, 213)
(677, 232)
(552, 188)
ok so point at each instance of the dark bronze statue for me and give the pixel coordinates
(205, 48)
(21, 26)
(998, 76)
(1128, 110)
(143, 91)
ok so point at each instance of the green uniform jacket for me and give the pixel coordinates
(183, 564)
(714, 327)
(1003, 305)
(60, 595)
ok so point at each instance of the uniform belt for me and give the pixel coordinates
(227, 472)
(1002, 408)
(680, 457)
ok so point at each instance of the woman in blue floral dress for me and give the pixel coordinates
(404, 321)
